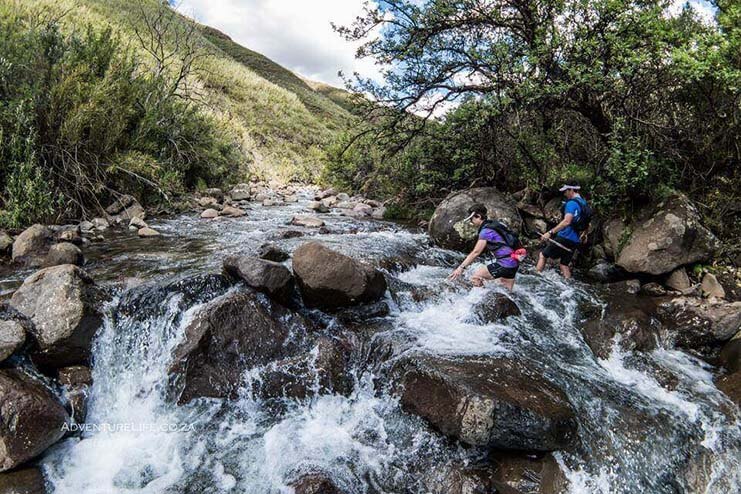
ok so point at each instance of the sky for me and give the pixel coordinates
(298, 34)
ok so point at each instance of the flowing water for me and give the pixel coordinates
(636, 433)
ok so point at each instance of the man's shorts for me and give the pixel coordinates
(496, 270)
(553, 251)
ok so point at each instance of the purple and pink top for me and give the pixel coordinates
(503, 252)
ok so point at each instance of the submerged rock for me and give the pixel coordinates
(447, 228)
(492, 402)
(494, 307)
(64, 304)
(229, 335)
(272, 252)
(147, 232)
(32, 245)
(31, 421)
(329, 279)
(630, 328)
(315, 483)
(671, 237)
(266, 276)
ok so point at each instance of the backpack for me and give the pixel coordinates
(581, 223)
(511, 239)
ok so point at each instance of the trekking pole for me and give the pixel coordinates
(559, 244)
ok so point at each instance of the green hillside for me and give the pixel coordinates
(246, 115)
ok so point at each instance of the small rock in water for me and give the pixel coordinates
(68, 233)
(711, 287)
(272, 252)
(208, 202)
(137, 223)
(290, 199)
(307, 221)
(100, 224)
(148, 232)
(315, 483)
(653, 289)
(269, 202)
(87, 226)
(209, 214)
(232, 212)
(32, 245)
(379, 213)
(290, 234)
(215, 193)
(318, 207)
(266, 276)
(343, 197)
(64, 253)
(240, 192)
(363, 209)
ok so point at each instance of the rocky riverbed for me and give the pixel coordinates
(275, 339)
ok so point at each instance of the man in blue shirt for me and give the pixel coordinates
(506, 259)
(563, 239)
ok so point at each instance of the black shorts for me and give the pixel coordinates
(553, 251)
(496, 270)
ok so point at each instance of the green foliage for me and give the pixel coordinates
(80, 116)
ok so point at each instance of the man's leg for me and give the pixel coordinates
(565, 270)
(481, 275)
(541, 263)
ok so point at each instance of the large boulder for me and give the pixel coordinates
(23, 481)
(330, 280)
(229, 335)
(12, 337)
(31, 419)
(32, 245)
(634, 328)
(266, 276)
(699, 324)
(730, 355)
(671, 237)
(449, 231)
(64, 305)
(518, 473)
(272, 252)
(491, 402)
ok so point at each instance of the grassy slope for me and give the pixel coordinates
(281, 123)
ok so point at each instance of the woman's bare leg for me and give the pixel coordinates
(508, 282)
(480, 276)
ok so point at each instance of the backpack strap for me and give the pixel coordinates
(492, 225)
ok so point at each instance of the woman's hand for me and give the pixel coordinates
(455, 274)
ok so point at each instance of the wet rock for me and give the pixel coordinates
(492, 402)
(64, 253)
(290, 199)
(64, 305)
(631, 287)
(87, 226)
(209, 214)
(327, 202)
(528, 473)
(12, 337)
(346, 206)
(363, 210)
(678, 280)
(232, 212)
(68, 233)
(152, 300)
(459, 478)
(231, 334)
(137, 224)
(606, 272)
(631, 328)
(266, 276)
(324, 370)
(363, 313)
(449, 231)
(326, 193)
(329, 279)
(494, 307)
(240, 192)
(272, 252)
(76, 381)
(730, 355)
(307, 221)
(653, 289)
(147, 232)
(672, 237)
(730, 385)
(32, 245)
(31, 421)
(25, 481)
(711, 287)
(699, 324)
(343, 197)
(315, 483)
(318, 206)
(269, 202)
(124, 209)
(290, 234)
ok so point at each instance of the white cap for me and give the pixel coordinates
(567, 187)
(470, 216)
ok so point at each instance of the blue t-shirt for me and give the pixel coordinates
(572, 207)
(492, 237)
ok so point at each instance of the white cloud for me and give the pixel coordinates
(703, 8)
(294, 33)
